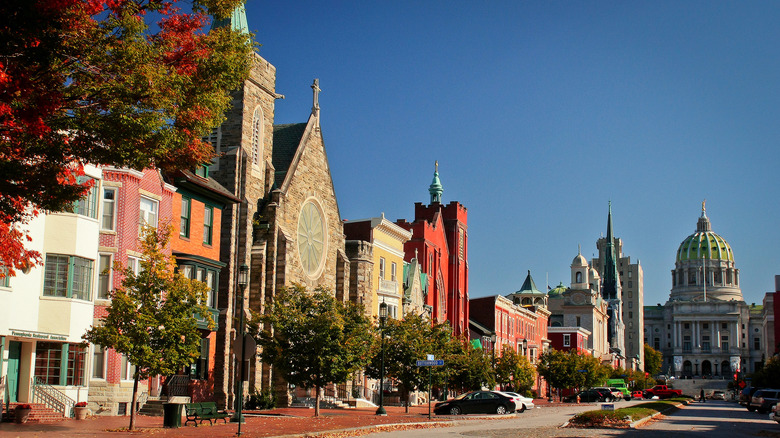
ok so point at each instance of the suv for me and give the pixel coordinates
(613, 394)
(746, 395)
(763, 400)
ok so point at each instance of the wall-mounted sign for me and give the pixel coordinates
(37, 335)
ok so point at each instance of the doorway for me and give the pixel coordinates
(14, 359)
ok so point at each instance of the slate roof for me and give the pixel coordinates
(529, 287)
(286, 141)
(206, 186)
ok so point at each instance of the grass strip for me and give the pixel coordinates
(624, 416)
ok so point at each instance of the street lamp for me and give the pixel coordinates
(243, 280)
(525, 347)
(382, 319)
(493, 348)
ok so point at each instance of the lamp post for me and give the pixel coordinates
(382, 319)
(243, 280)
(525, 347)
(493, 348)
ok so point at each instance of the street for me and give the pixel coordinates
(714, 419)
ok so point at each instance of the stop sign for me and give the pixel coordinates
(741, 385)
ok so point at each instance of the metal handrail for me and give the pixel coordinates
(52, 397)
(142, 399)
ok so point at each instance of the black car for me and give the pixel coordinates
(477, 402)
(763, 400)
(746, 395)
(588, 396)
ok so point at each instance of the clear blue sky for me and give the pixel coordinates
(540, 113)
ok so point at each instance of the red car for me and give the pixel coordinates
(637, 395)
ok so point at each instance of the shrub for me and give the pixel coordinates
(261, 400)
(600, 418)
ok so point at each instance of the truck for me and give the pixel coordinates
(620, 384)
(663, 391)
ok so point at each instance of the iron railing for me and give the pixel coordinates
(50, 396)
(142, 398)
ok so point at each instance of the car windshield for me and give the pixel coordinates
(462, 396)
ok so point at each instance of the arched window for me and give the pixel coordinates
(578, 277)
(257, 136)
(526, 301)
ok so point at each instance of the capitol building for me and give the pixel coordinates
(705, 328)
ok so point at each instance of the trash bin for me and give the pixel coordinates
(172, 415)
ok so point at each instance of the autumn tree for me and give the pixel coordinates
(769, 375)
(153, 317)
(133, 83)
(312, 339)
(514, 370)
(468, 367)
(653, 360)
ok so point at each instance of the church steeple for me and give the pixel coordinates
(610, 280)
(436, 189)
(237, 20)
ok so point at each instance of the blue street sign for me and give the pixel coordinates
(430, 363)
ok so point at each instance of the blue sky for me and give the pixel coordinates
(540, 113)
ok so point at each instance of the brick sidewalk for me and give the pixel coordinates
(278, 422)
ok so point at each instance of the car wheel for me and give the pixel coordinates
(454, 410)
(501, 410)
(522, 409)
(751, 409)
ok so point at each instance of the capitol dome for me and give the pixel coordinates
(704, 243)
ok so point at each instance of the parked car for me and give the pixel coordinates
(614, 393)
(775, 415)
(476, 402)
(746, 394)
(763, 400)
(718, 395)
(521, 403)
(663, 391)
(591, 395)
(637, 395)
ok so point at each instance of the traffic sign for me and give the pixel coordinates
(249, 344)
(430, 363)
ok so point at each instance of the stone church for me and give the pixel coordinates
(287, 228)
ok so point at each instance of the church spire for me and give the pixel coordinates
(237, 20)
(610, 280)
(436, 189)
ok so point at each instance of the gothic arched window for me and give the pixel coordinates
(257, 136)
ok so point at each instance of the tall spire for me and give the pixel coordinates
(237, 20)
(703, 225)
(610, 280)
(436, 189)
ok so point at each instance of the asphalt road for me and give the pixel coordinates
(714, 419)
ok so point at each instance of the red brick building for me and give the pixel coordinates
(440, 242)
(569, 338)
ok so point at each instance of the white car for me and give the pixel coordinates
(775, 414)
(521, 403)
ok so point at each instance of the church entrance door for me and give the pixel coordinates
(706, 368)
(687, 368)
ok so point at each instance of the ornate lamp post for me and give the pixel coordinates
(493, 348)
(382, 319)
(243, 280)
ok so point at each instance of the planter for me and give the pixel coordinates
(81, 412)
(21, 415)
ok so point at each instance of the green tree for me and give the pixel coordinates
(153, 316)
(121, 83)
(514, 370)
(312, 339)
(468, 368)
(406, 342)
(653, 360)
(769, 375)
(590, 371)
(558, 368)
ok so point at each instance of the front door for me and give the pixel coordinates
(14, 357)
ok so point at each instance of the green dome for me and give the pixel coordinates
(558, 290)
(704, 243)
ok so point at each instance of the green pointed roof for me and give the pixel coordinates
(237, 20)
(436, 189)
(529, 287)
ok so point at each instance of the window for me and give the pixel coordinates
(208, 224)
(257, 136)
(705, 326)
(566, 340)
(104, 276)
(630, 315)
(578, 277)
(461, 243)
(5, 281)
(705, 343)
(205, 274)
(86, 206)
(134, 264)
(724, 343)
(108, 220)
(98, 363)
(67, 277)
(724, 326)
(60, 364)
(687, 344)
(393, 267)
(184, 222)
(200, 368)
(212, 284)
(126, 369)
(148, 214)
(630, 283)
(579, 322)
(630, 304)
(687, 325)
(381, 268)
(202, 171)
(756, 343)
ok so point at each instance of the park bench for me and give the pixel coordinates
(199, 412)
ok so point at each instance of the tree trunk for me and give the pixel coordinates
(133, 401)
(408, 394)
(317, 401)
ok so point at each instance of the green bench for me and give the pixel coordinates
(199, 412)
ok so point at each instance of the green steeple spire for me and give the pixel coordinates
(435, 188)
(236, 20)
(610, 279)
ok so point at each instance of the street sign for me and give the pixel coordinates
(430, 363)
(249, 344)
